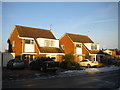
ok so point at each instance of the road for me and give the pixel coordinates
(99, 80)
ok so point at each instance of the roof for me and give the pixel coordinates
(79, 38)
(96, 52)
(30, 32)
(50, 50)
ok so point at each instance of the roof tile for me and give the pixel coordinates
(24, 31)
(79, 38)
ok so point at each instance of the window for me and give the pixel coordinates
(85, 60)
(78, 45)
(46, 43)
(62, 46)
(94, 47)
(29, 41)
(53, 43)
(49, 43)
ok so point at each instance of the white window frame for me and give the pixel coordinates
(62, 46)
(31, 41)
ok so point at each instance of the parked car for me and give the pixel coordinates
(44, 64)
(88, 63)
(15, 64)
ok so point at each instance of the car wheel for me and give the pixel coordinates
(88, 66)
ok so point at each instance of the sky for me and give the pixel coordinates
(98, 20)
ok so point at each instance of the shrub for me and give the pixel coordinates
(68, 57)
(118, 64)
(69, 65)
(63, 64)
(69, 62)
(77, 66)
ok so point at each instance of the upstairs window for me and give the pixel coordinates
(49, 43)
(46, 43)
(94, 47)
(29, 41)
(53, 43)
(78, 45)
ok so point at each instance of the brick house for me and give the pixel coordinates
(113, 52)
(28, 43)
(80, 45)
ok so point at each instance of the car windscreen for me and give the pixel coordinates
(18, 61)
(43, 59)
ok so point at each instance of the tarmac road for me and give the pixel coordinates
(99, 80)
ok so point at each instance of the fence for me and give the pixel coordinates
(5, 57)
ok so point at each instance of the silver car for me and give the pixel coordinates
(15, 64)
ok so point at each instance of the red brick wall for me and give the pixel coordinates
(77, 58)
(18, 43)
(84, 51)
(59, 57)
(38, 55)
(68, 45)
(36, 49)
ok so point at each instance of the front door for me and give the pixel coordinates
(27, 59)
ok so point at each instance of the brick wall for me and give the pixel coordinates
(17, 44)
(68, 45)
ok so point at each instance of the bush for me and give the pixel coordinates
(63, 64)
(69, 62)
(68, 57)
(70, 66)
(77, 66)
(118, 63)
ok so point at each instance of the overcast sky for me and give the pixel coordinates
(98, 20)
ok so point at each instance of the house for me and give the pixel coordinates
(118, 54)
(111, 52)
(80, 45)
(115, 53)
(28, 43)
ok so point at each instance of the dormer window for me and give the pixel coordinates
(49, 43)
(94, 47)
(46, 43)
